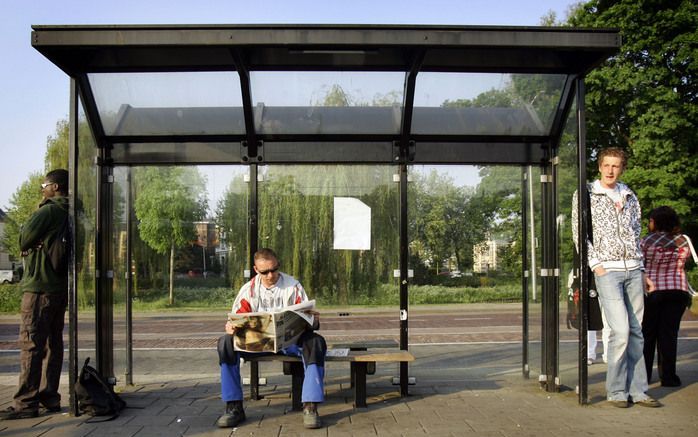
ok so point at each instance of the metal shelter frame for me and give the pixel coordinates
(84, 50)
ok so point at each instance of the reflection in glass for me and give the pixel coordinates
(169, 103)
(296, 220)
(485, 103)
(328, 102)
(566, 185)
(85, 225)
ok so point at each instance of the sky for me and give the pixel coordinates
(34, 92)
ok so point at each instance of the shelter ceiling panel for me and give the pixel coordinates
(330, 152)
(176, 153)
(478, 153)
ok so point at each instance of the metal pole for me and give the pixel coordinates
(532, 233)
(404, 257)
(582, 220)
(524, 271)
(129, 278)
(72, 277)
(252, 214)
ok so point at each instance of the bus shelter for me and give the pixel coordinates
(360, 100)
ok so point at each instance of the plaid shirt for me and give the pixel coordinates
(665, 257)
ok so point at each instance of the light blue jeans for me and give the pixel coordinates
(622, 298)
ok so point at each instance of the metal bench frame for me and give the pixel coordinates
(359, 365)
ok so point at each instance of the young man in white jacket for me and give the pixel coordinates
(616, 259)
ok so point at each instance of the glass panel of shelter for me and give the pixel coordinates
(332, 102)
(465, 257)
(172, 103)
(208, 267)
(533, 261)
(85, 227)
(335, 228)
(485, 103)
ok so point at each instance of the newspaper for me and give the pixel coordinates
(271, 332)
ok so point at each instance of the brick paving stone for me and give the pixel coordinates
(159, 420)
(162, 431)
(104, 429)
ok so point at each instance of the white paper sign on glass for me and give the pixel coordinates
(352, 224)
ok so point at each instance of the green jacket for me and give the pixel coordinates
(42, 229)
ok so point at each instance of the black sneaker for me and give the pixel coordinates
(11, 414)
(53, 408)
(233, 416)
(671, 382)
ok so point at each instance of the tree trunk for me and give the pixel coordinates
(172, 251)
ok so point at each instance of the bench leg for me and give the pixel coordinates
(297, 376)
(370, 370)
(254, 381)
(358, 375)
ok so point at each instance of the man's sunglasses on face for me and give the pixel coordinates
(46, 184)
(266, 272)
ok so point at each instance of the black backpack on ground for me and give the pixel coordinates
(95, 397)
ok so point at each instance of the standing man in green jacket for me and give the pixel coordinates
(45, 288)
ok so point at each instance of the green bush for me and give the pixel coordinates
(10, 298)
(217, 298)
(389, 294)
(184, 298)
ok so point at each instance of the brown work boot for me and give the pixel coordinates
(311, 418)
(234, 415)
(11, 414)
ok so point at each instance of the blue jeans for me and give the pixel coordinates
(313, 389)
(622, 298)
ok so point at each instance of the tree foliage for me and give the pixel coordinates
(170, 200)
(645, 99)
(23, 204)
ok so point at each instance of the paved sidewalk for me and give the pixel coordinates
(461, 390)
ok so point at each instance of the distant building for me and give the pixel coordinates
(207, 239)
(486, 255)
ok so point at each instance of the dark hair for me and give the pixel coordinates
(615, 152)
(665, 220)
(266, 253)
(59, 177)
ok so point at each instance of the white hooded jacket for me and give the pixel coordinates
(616, 233)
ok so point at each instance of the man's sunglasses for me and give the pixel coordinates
(266, 272)
(46, 184)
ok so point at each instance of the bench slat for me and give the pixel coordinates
(386, 357)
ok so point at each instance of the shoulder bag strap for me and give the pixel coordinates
(690, 246)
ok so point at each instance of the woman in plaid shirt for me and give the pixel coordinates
(665, 251)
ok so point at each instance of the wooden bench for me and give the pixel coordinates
(359, 362)
(352, 346)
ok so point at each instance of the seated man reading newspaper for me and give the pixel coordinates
(270, 291)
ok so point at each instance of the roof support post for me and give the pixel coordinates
(583, 208)
(525, 195)
(104, 281)
(406, 154)
(251, 145)
(72, 283)
(550, 273)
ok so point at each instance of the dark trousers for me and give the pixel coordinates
(41, 350)
(660, 327)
